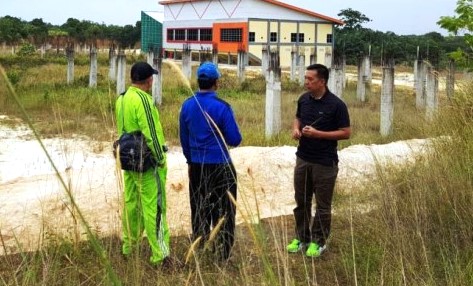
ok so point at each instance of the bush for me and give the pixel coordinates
(27, 50)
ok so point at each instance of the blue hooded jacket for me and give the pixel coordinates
(201, 142)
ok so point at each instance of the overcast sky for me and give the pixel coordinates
(399, 16)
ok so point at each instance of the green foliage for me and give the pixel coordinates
(461, 23)
(352, 19)
(27, 50)
(13, 76)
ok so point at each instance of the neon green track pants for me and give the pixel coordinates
(145, 209)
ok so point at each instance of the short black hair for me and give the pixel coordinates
(206, 83)
(322, 71)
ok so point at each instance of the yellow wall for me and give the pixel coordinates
(322, 31)
(286, 30)
(273, 26)
(308, 29)
(261, 30)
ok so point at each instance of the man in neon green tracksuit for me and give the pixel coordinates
(145, 195)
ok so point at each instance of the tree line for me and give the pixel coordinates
(15, 31)
(354, 41)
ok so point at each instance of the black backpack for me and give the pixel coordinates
(134, 153)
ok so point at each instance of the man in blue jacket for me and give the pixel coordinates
(207, 126)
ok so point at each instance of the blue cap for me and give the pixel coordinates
(208, 70)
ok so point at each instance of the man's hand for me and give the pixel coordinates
(311, 132)
(296, 134)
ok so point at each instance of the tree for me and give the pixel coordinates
(353, 19)
(462, 23)
(12, 30)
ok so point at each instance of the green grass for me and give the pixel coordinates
(418, 229)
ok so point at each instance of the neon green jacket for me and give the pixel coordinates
(135, 111)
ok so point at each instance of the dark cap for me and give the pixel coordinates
(208, 70)
(141, 71)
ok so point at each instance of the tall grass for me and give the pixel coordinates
(418, 229)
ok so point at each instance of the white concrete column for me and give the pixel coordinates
(112, 61)
(93, 68)
(121, 72)
(367, 69)
(265, 61)
(420, 84)
(70, 64)
(215, 57)
(273, 97)
(150, 57)
(157, 89)
(241, 65)
(302, 68)
(186, 62)
(313, 56)
(387, 101)
(328, 59)
(361, 84)
(293, 63)
(431, 100)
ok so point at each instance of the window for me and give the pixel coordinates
(230, 35)
(192, 34)
(179, 35)
(206, 35)
(170, 35)
(273, 37)
(251, 37)
(329, 38)
(295, 37)
(301, 37)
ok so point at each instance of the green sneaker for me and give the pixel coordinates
(314, 250)
(294, 246)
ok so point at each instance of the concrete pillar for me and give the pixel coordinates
(112, 61)
(420, 84)
(335, 80)
(387, 100)
(313, 56)
(450, 82)
(361, 84)
(215, 57)
(70, 64)
(150, 57)
(328, 59)
(157, 90)
(273, 97)
(265, 61)
(241, 65)
(344, 71)
(293, 63)
(302, 68)
(121, 72)
(229, 59)
(186, 62)
(93, 68)
(367, 69)
(431, 100)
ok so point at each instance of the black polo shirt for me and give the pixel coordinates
(328, 113)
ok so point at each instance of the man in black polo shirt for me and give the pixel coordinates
(321, 120)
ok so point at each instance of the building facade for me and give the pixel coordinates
(247, 25)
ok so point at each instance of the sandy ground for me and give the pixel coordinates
(34, 206)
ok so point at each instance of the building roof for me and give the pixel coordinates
(274, 2)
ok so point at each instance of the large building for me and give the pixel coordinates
(248, 25)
